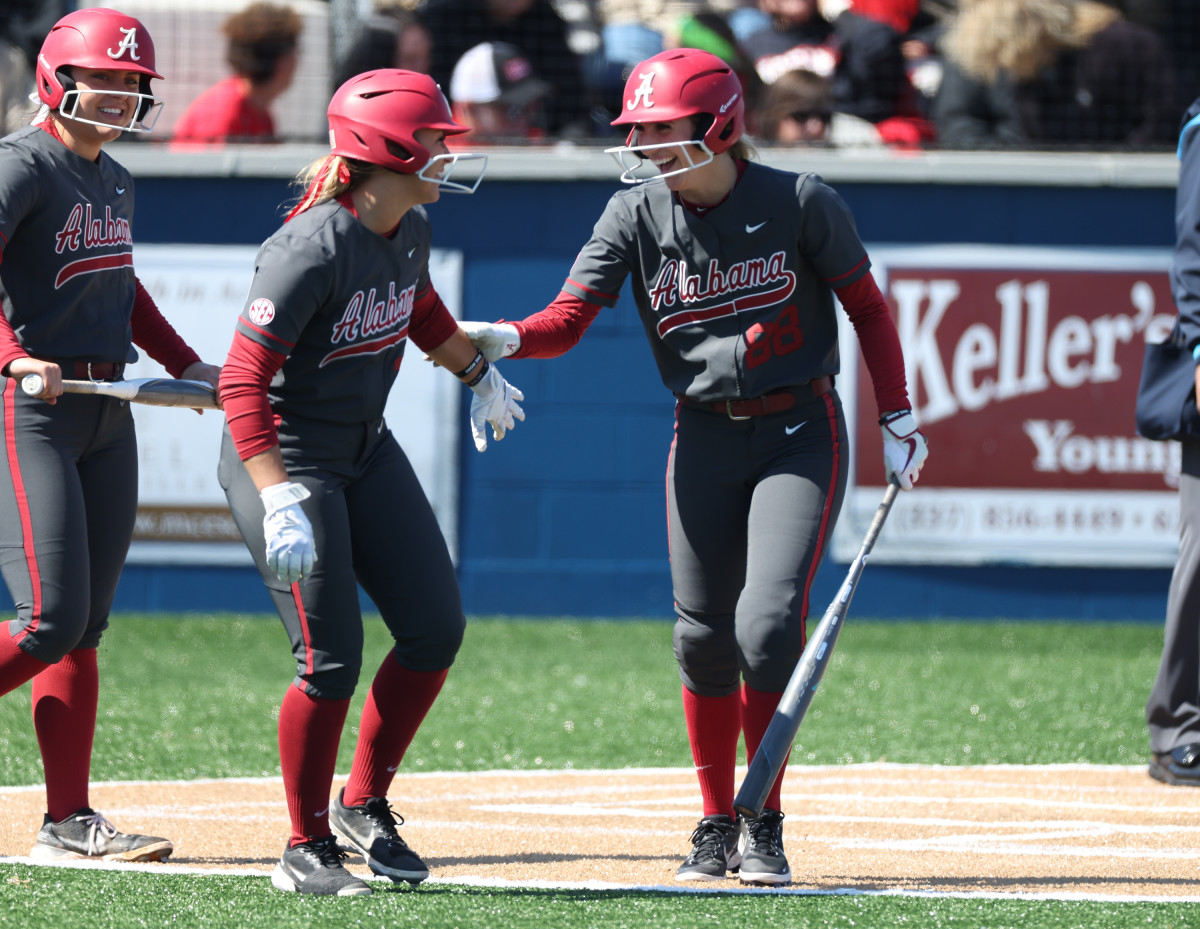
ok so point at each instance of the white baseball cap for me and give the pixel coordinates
(496, 72)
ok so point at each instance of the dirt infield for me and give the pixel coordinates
(1067, 831)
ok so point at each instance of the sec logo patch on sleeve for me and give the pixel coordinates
(261, 311)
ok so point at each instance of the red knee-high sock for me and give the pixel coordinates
(758, 707)
(396, 704)
(16, 666)
(64, 717)
(309, 732)
(713, 726)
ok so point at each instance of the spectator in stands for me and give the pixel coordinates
(531, 25)
(261, 48)
(861, 57)
(635, 30)
(918, 29)
(1053, 72)
(797, 109)
(496, 93)
(392, 38)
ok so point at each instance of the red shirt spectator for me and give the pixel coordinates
(223, 113)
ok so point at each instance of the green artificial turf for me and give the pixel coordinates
(199, 697)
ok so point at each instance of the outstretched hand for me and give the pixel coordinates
(495, 402)
(495, 340)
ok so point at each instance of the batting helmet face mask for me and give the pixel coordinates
(374, 117)
(677, 84)
(104, 40)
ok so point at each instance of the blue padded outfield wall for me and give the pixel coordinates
(566, 516)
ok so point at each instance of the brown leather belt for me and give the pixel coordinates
(775, 402)
(91, 370)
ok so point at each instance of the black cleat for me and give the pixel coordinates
(714, 850)
(370, 830)
(315, 867)
(763, 861)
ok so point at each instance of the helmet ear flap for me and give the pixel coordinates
(396, 150)
(144, 89)
(631, 140)
(728, 129)
(66, 84)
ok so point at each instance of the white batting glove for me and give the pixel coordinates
(904, 448)
(291, 551)
(495, 402)
(495, 340)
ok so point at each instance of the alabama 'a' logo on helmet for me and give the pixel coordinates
(643, 92)
(128, 44)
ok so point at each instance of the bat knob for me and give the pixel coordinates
(32, 384)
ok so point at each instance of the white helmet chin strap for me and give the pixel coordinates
(145, 124)
(638, 168)
(451, 161)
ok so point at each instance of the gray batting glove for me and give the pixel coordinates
(291, 551)
(904, 448)
(495, 402)
(495, 340)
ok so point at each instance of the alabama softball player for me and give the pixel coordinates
(734, 269)
(322, 493)
(68, 476)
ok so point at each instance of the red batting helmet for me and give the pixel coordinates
(374, 117)
(686, 82)
(95, 38)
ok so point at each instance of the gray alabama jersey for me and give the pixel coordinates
(736, 302)
(69, 219)
(337, 299)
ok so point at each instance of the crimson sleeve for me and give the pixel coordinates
(244, 379)
(10, 348)
(158, 337)
(557, 328)
(872, 320)
(431, 323)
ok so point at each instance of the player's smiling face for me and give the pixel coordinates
(671, 158)
(106, 100)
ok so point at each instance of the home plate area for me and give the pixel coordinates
(1067, 831)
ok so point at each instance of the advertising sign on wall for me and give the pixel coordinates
(1022, 365)
(182, 513)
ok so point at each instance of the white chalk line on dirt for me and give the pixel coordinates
(502, 884)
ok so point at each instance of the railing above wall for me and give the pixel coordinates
(566, 162)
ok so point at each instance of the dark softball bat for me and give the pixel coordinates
(781, 732)
(155, 391)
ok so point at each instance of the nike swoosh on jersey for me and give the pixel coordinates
(120, 190)
(792, 430)
(755, 228)
(411, 250)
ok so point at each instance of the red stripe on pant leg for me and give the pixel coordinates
(304, 631)
(830, 496)
(14, 468)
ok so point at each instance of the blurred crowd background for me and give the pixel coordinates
(1091, 75)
